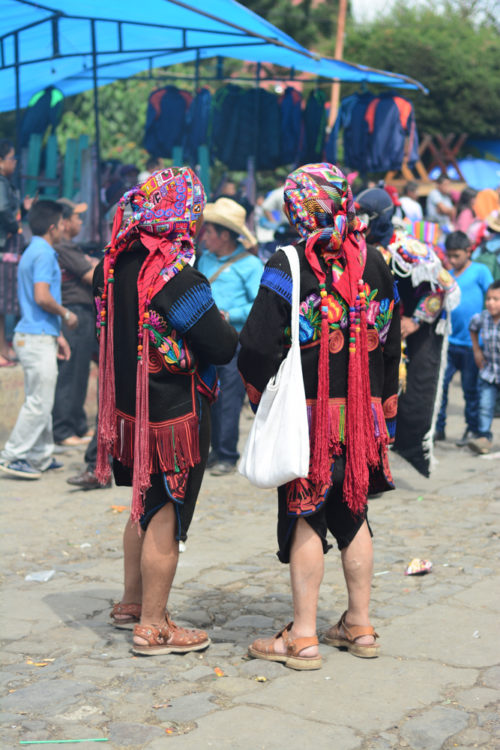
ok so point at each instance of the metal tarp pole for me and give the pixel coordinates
(97, 133)
(18, 112)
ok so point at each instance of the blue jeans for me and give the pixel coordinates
(461, 358)
(226, 412)
(487, 398)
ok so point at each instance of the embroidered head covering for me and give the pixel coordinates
(162, 214)
(319, 203)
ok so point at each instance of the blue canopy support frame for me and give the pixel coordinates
(87, 43)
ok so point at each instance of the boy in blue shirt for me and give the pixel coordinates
(473, 280)
(38, 344)
(487, 355)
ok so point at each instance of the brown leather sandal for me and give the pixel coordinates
(129, 615)
(263, 648)
(168, 638)
(333, 637)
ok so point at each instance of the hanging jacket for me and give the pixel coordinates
(197, 121)
(343, 122)
(314, 127)
(224, 124)
(379, 131)
(291, 126)
(391, 120)
(44, 109)
(166, 120)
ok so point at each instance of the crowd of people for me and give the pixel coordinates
(192, 313)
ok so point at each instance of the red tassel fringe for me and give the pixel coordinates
(361, 452)
(106, 422)
(141, 479)
(172, 445)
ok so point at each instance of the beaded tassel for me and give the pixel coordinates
(320, 469)
(141, 477)
(361, 446)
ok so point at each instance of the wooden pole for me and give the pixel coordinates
(339, 50)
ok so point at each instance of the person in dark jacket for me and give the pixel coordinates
(350, 349)
(10, 246)
(69, 419)
(160, 336)
(428, 294)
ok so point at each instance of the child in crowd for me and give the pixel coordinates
(473, 280)
(487, 325)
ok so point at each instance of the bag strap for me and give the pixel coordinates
(293, 259)
(226, 265)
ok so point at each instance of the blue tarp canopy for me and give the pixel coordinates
(62, 42)
(478, 173)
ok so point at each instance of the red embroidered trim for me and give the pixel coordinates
(336, 341)
(372, 338)
(390, 406)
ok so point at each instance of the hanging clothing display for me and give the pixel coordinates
(291, 126)
(237, 123)
(379, 132)
(197, 122)
(314, 127)
(166, 120)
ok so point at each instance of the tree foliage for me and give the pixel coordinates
(312, 25)
(454, 53)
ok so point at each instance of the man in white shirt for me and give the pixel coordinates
(411, 207)
(440, 208)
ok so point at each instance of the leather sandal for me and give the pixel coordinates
(130, 615)
(168, 638)
(347, 640)
(263, 648)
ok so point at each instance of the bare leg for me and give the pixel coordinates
(160, 553)
(132, 548)
(306, 574)
(357, 561)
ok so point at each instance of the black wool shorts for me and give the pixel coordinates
(333, 516)
(157, 495)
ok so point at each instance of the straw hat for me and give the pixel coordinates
(229, 214)
(78, 208)
(493, 221)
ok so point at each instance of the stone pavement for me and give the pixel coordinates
(69, 675)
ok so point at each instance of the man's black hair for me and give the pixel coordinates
(152, 163)
(410, 187)
(67, 210)
(5, 147)
(43, 214)
(442, 178)
(494, 285)
(219, 228)
(457, 241)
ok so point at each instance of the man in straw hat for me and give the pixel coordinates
(235, 276)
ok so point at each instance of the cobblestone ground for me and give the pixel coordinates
(69, 675)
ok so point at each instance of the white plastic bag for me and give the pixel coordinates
(277, 449)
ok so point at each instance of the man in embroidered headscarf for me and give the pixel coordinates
(350, 347)
(160, 336)
(428, 293)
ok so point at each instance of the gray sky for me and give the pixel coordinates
(368, 9)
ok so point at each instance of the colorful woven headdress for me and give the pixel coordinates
(162, 214)
(319, 203)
